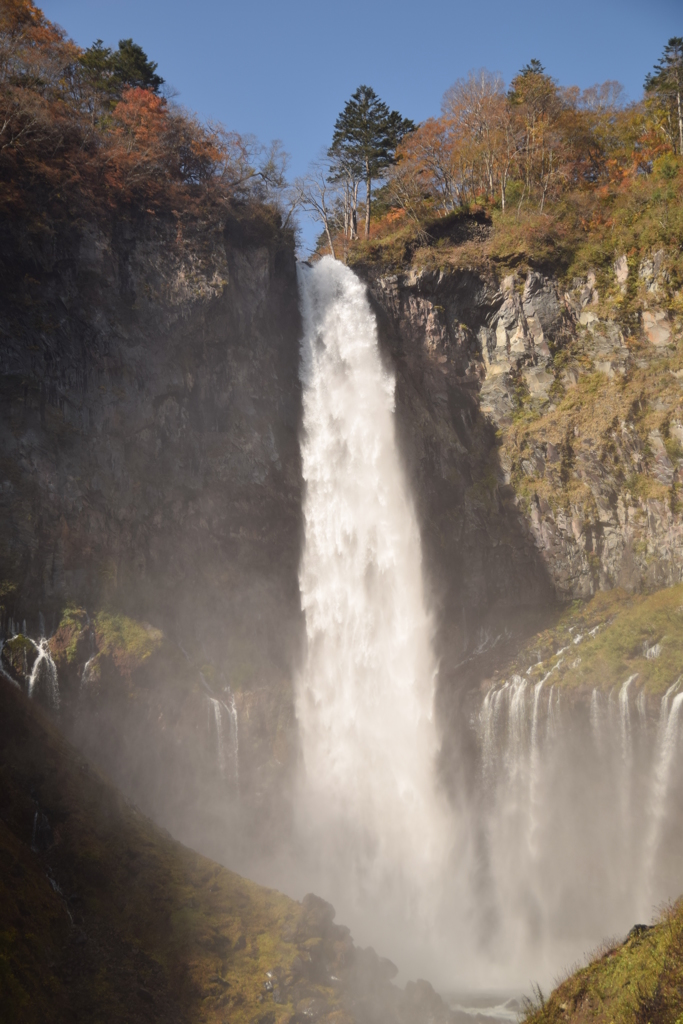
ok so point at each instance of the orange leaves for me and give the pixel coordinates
(135, 156)
(67, 146)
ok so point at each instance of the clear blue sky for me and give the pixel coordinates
(285, 69)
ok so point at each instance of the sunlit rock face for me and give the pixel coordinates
(476, 355)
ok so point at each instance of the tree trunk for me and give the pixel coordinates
(354, 212)
(680, 124)
(329, 239)
(368, 187)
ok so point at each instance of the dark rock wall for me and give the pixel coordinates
(149, 435)
(149, 465)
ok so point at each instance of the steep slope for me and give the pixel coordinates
(105, 917)
(638, 981)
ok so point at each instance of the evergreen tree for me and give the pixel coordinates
(666, 82)
(108, 72)
(366, 135)
(132, 67)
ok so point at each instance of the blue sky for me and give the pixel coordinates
(285, 69)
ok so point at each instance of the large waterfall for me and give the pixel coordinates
(365, 697)
(569, 808)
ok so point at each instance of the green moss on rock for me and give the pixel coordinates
(615, 635)
(127, 642)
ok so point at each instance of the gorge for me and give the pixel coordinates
(359, 576)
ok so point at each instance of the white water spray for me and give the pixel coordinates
(365, 696)
(583, 817)
(665, 755)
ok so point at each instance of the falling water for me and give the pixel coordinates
(665, 755)
(44, 674)
(216, 717)
(365, 696)
(582, 818)
(225, 735)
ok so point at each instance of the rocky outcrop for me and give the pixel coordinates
(504, 390)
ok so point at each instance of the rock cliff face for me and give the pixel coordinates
(479, 549)
(149, 428)
(150, 466)
(545, 444)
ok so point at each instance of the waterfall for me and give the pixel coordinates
(234, 740)
(665, 754)
(217, 718)
(582, 816)
(44, 673)
(226, 735)
(364, 698)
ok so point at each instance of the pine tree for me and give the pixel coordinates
(666, 82)
(108, 72)
(366, 135)
(132, 67)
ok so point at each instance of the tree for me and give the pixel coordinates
(537, 105)
(106, 73)
(366, 135)
(666, 83)
(132, 67)
(316, 193)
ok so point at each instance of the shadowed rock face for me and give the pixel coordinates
(149, 433)
(150, 465)
(481, 559)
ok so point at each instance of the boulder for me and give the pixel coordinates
(656, 326)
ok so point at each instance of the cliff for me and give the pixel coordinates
(541, 433)
(150, 468)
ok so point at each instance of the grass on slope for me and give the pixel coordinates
(104, 917)
(637, 982)
(604, 641)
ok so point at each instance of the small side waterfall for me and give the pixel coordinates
(370, 812)
(223, 728)
(44, 674)
(582, 819)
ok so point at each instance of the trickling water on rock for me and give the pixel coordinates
(44, 674)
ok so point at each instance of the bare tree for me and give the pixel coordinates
(316, 194)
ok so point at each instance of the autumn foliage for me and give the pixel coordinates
(75, 143)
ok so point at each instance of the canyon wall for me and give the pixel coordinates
(150, 473)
